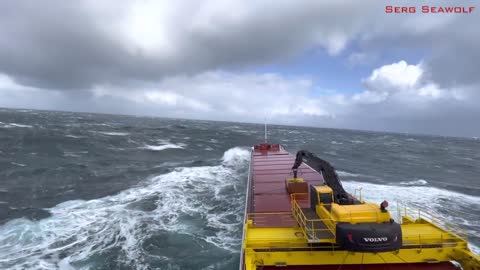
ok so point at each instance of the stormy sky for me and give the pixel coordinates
(336, 63)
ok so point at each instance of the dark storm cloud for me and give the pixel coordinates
(61, 45)
(71, 45)
(52, 44)
(75, 45)
(191, 59)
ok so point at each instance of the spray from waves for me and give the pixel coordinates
(198, 205)
(428, 199)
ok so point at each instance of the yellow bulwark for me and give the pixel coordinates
(300, 240)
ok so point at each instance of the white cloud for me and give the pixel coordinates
(188, 59)
(403, 81)
(397, 76)
(395, 93)
(250, 96)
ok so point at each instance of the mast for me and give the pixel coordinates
(265, 130)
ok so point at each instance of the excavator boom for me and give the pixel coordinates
(329, 175)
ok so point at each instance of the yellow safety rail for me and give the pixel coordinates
(408, 214)
(308, 225)
(272, 220)
(431, 240)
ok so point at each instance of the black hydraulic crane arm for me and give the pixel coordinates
(329, 175)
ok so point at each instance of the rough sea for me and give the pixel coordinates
(91, 191)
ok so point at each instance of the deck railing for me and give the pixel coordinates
(272, 220)
(312, 228)
(416, 215)
(431, 240)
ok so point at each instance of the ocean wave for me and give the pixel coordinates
(13, 125)
(74, 154)
(425, 195)
(418, 182)
(20, 125)
(113, 133)
(164, 146)
(18, 164)
(475, 249)
(347, 174)
(236, 156)
(335, 142)
(199, 204)
(73, 136)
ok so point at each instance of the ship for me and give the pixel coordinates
(298, 216)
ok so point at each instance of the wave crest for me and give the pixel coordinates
(418, 182)
(202, 204)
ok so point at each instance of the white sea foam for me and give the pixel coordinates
(474, 249)
(73, 136)
(236, 156)
(422, 195)
(418, 182)
(13, 125)
(347, 174)
(18, 164)
(113, 133)
(20, 125)
(335, 142)
(79, 230)
(74, 154)
(164, 146)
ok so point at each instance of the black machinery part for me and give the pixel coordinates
(329, 175)
(369, 237)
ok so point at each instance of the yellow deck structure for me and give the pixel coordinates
(423, 242)
(283, 230)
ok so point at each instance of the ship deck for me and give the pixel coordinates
(267, 192)
(273, 238)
